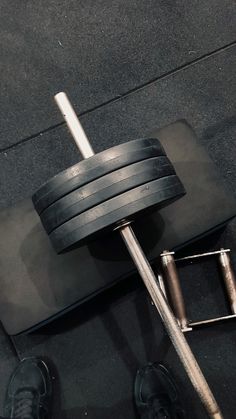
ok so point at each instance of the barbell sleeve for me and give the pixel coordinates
(74, 125)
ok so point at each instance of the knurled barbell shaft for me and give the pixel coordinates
(176, 335)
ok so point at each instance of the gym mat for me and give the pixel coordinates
(96, 363)
(204, 94)
(97, 51)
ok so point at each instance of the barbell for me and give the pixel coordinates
(106, 192)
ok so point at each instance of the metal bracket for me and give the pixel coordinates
(171, 279)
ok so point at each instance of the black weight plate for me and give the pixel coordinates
(94, 167)
(105, 216)
(104, 188)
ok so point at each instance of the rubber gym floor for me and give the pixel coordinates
(129, 67)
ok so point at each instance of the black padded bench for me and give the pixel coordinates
(37, 285)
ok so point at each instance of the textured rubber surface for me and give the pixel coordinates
(104, 188)
(97, 50)
(103, 217)
(92, 168)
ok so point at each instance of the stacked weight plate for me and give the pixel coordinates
(95, 194)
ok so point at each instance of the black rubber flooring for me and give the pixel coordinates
(129, 67)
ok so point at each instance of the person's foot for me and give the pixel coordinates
(156, 395)
(29, 391)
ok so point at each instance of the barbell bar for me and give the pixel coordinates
(144, 268)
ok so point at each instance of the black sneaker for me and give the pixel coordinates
(29, 391)
(156, 395)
